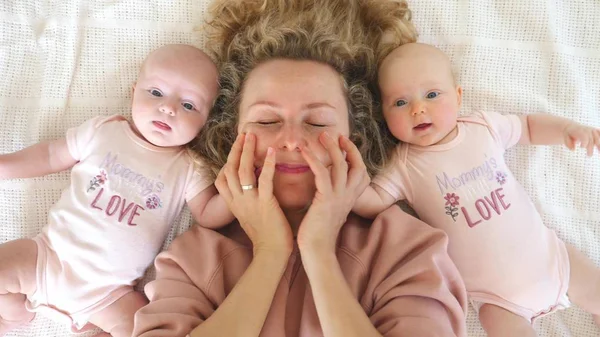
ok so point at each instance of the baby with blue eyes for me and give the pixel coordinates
(451, 170)
(129, 182)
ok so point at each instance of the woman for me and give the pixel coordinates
(294, 102)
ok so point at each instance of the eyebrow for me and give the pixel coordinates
(198, 96)
(310, 106)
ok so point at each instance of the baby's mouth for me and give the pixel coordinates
(422, 126)
(161, 125)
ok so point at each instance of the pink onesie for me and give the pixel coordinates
(506, 255)
(111, 221)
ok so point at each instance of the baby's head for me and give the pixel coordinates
(173, 95)
(419, 95)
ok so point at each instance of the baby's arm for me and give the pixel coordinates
(37, 160)
(372, 202)
(544, 129)
(209, 209)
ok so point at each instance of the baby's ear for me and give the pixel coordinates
(133, 87)
(459, 92)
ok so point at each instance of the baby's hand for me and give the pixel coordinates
(582, 135)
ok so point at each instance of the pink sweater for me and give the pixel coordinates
(397, 267)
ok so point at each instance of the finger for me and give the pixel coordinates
(322, 177)
(584, 143)
(233, 158)
(590, 146)
(232, 166)
(265, 180)
(339, 170)
(232, 179)
(570, 142)
(222, 187)
(357, 175)
(246, 169)
(597, 139)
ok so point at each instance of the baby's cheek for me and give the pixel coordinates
(398, 127)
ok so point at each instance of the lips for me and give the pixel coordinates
(292, 168)
(161, 126)
(422, 126)
(286, 168)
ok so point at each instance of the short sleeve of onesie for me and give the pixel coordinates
(197, 184)
(80, 136)
(507, 128)
(391, 179)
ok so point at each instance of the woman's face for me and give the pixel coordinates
(287, 104)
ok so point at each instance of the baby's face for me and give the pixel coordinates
(419, 97)
(173, 95)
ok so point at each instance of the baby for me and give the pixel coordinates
(451, 170)
(129, 181)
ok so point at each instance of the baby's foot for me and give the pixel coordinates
(6, 325)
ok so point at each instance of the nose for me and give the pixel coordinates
(167, 107)
(417, 108)
(292, 138)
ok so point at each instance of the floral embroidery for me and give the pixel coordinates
(97, 181)
(451, 203)
(153, 202)
(500, 177)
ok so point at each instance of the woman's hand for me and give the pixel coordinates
(338, 187)
(256, 209)
(587, 137)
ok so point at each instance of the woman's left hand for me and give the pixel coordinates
(338, 187)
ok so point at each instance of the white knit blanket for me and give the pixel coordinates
(62, 62)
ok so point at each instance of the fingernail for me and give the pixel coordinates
(270, 151)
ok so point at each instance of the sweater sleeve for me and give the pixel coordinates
(189, 284)
(414, 287)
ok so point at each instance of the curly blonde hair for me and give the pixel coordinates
(351, 36)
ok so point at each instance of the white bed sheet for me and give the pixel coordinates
(62, 62)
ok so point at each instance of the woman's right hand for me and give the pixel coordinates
(257, 210)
